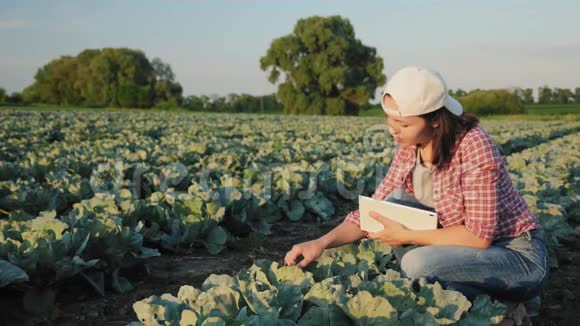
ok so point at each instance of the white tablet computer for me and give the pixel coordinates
(411, 217)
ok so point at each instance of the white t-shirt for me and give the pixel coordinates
(423, 182)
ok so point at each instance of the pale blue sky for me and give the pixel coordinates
(214, 46)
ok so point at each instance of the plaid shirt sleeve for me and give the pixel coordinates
(480, 176)
(386, 186)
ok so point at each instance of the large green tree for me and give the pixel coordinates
(115, 77)
(326, 69)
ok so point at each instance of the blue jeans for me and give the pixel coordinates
(512, 269)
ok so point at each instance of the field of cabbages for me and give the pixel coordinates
(175, 219)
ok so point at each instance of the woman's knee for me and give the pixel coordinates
(419, 262)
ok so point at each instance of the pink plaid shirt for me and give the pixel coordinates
(476, 189)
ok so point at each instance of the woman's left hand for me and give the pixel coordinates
(394, 234)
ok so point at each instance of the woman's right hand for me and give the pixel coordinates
(309, 250)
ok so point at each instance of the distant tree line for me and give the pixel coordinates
(482, 102)
(329, 72)
(124, 77)
(546, 95)
(233, 103)
(14, 98)
(512, 101)
(487, 102)
(479, 101)
(320, 67)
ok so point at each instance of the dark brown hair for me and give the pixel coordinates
(450, 128)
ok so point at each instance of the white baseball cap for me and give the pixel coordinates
(418, 91)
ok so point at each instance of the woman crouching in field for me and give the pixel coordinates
(489, 242)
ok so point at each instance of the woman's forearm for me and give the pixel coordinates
(344, 233)
(456, 235)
